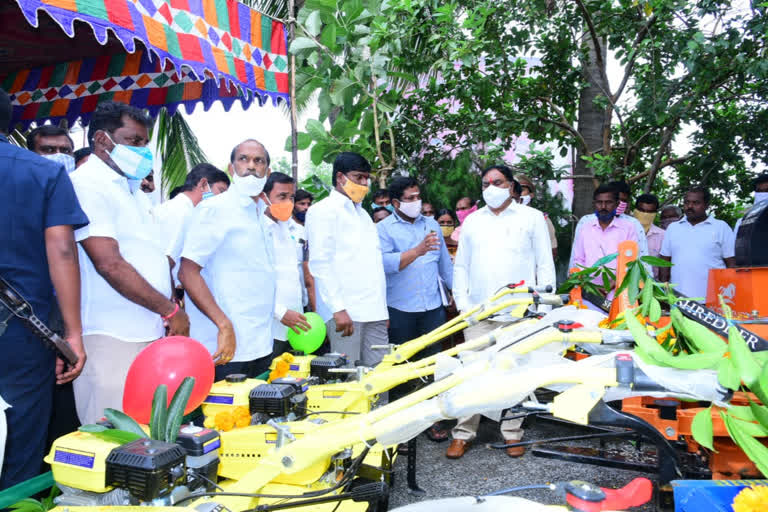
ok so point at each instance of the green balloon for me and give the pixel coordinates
(308, 341)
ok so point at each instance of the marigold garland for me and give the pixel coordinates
(751, 499)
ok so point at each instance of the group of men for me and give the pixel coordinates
(249, 254)
(693, 240)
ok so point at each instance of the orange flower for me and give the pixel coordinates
(224, 421)
(242, 416)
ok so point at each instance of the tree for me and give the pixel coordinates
(420, 86)
(177, 147)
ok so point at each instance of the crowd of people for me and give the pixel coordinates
(235, 259)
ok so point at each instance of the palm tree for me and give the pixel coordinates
(178, 149)
(177, 145)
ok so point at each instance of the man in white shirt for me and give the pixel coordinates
(203, 182)
(694, 245)
(126, 283)
(301, 203)
(228, 269)
(278, 195)
(345, 260)
(501, 243)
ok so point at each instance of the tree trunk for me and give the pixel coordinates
(594, 123)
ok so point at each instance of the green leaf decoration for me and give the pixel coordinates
(28, 505)
(760, 412)
(176, 409)
(655, 310)
(651, 352)
(122, 421)
(633, 288)
(703, 339)
(701, 428)
(605, 260)
(92, 427)
(753, 448)
(112, 435)
(728, 375)
(645, 299)
(742, 358)
(656, 262)
(159, 416)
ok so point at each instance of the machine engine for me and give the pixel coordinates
(320, 366)
(282, 400)
(94, 472)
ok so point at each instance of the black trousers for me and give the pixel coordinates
(27, 380)
(404, 326)
(250, 369)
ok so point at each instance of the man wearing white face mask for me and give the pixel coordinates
(54, 143)
(345, 260)
(126, 283)
(228, 269)
(504, 242)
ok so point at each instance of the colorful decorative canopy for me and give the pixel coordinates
(150, 53)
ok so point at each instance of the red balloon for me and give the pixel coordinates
(167, 361)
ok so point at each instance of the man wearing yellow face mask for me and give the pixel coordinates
(345, 260)
(646, 208)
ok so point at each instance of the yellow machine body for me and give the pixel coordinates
(226, 396)
(298, 368)
(78, 459)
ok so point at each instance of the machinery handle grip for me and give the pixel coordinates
(369, 492)
(616, 337)
(553, 300)
(634, 494)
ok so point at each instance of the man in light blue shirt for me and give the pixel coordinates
(417, 266)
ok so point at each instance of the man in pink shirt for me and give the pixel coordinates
(646, 208)
(601, 235)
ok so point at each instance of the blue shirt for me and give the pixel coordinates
(415, 288)
(35, 194)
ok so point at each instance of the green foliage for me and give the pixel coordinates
(178, 149)
(33, 505)
(452, 89)
(164, 421)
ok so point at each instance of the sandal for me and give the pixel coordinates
(437, 433)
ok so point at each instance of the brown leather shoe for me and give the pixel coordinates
(456, 449)
(516, 451)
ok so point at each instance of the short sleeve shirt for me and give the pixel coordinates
(36, 194)
(693, 250)
(118, 211)
(226, 236)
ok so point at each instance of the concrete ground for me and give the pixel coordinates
(484, 470)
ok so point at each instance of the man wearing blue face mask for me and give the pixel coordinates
(126, 283)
